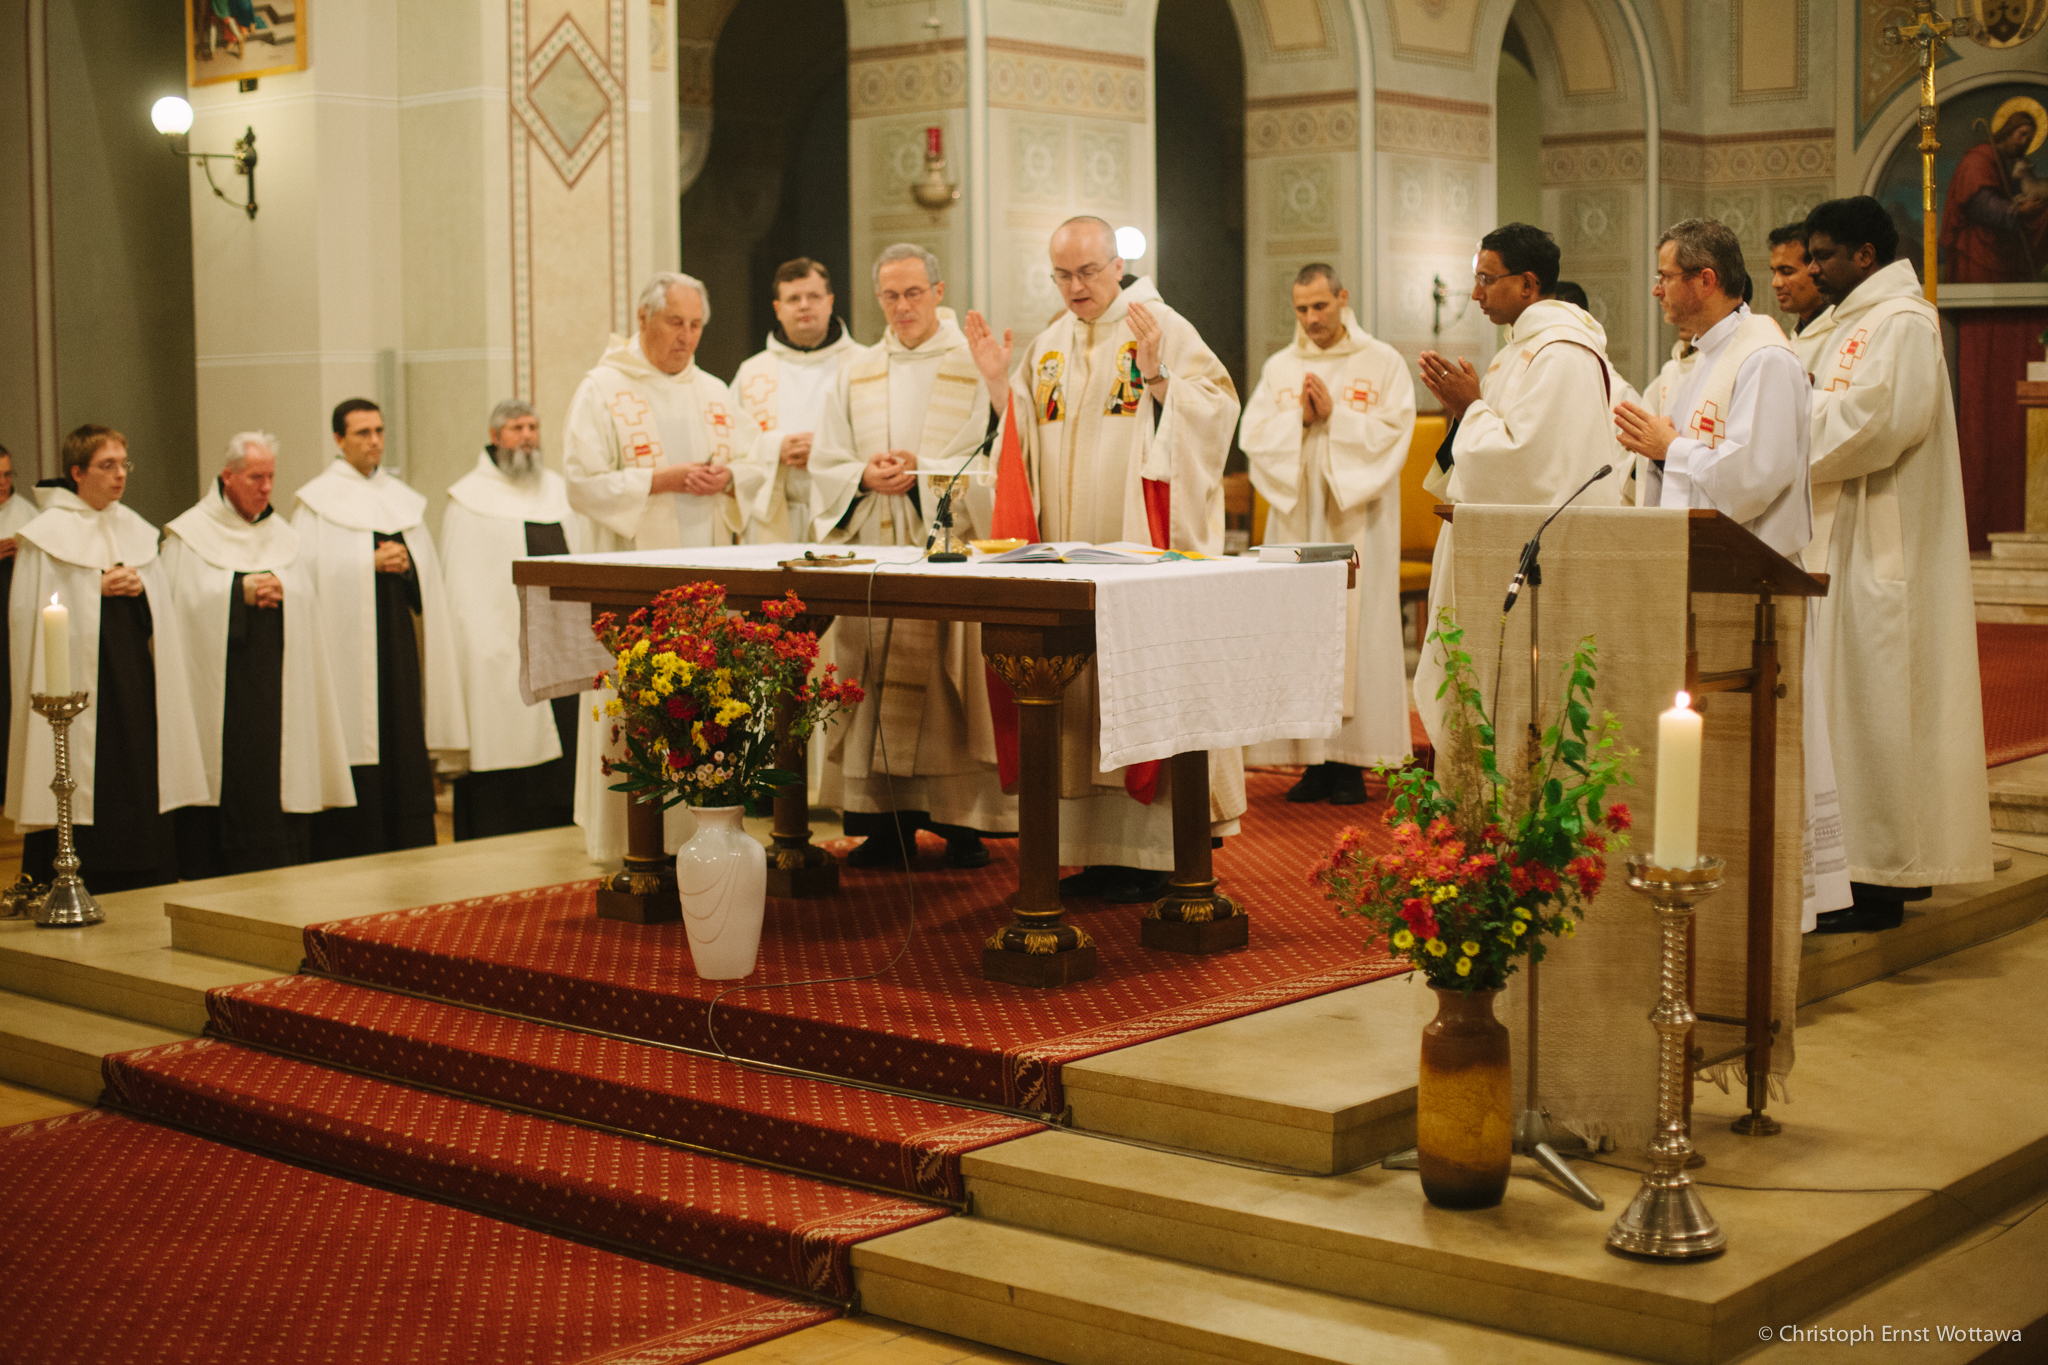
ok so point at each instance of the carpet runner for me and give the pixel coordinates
(153, 1245)
(930, 1023)
(836, 1131)
(2012, 664)
(766, 1226)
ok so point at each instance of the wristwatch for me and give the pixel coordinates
(1160, 378)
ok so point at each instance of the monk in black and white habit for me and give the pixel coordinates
(15, 513)
(134, 752)
(364, 543)
(522, 759)
(258, 674)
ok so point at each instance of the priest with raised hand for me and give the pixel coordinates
(15, 513)
(783, 389)
(522, 759)
(1532, 429)
(385, 620)
(1326, 433)
(1898, 634)
(134, 751)
(1730, 433)
(648, 459)
(1125, 417)
(257, 670)
(903, 417)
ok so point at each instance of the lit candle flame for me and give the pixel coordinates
(1683, 700)
(53, 599)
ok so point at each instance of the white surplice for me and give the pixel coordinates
(1093, 434)
(784, 389)
(482, 531)
(1812, 343)
(339, 516)
(1898, 633)
(1331, 482)
(63, 552)
(204, 548)
(1543, 424)
(1741, 404)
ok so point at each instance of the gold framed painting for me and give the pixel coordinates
(239, 40)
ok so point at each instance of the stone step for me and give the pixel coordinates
(2019, 796)
(2025, 547)
(58, 1047)
(1082, 1303)
(124, 967)
(1994, 581)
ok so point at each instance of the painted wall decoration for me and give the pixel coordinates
(239, 40)
(1992, 195)
(2005, 23)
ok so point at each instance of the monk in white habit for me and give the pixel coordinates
(134, 752)
(378, 581)
(1729, 432)
(783, 389)
(1327, 433)
(257, 670)
(1531, 430)
(1898, 634)
(1125, 420)
(903, 417)
(649, 461)
(522, 759)
(15, 513)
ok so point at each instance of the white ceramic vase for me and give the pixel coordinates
(722, 878)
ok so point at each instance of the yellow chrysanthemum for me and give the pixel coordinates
(1443, 893)
(1521, 913)
(1519, 928)
(697, 733)
(1437, 947)
(1403, 939)
(1571, 928)
(614, 707)
(649, 697)
(666, 659)
(596, 711)
(730, 711)
(1464, 966)
(1468, 948)
(640, 650)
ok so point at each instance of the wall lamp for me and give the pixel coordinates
(173, 118)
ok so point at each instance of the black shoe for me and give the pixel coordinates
(1114, 883)
(1088, 883)
(966, 853)
(1314, 784)
(1865, 918)
(1347, 784)
(883, 850)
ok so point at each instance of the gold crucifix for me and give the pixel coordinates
(1930, 33)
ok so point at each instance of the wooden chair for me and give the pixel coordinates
(1419, 523)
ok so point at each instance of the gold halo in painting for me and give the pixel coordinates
(2022, 104)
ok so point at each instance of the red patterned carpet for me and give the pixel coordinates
(2013, 663)
(930, 1023)
(151, 1245)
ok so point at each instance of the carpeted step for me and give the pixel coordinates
(770, 1227)
(835, 1131)
(122, 1240)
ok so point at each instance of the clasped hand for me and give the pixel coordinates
(796, 450)
(1455, 386)
(890, 473)
(1643, 432)
(392, 558)
(699, 480)
(120, 581)
(262, 590)
(1315, 401)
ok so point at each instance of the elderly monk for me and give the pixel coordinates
(257, 670)
(903, 416)
(1125, 418)
(134, 752)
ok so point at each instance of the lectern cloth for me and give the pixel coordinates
(1619, 575)
(1190, 655)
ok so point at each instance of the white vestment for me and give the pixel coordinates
(340, 514)
(922, 739)
(482, 532)
(1094, 435)
(1331, 482)
(204, 548)
(1812, 343)
(1543, 424)
(1898, 633)
(63, 551)
(784, 390)
(16, 513)
(1741, 404)
(629, 419)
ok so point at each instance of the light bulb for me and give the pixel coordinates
(171, 115)
(1130, 243)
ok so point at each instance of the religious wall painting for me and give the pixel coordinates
(1884, 69)
(240, 40)
(1990, 186)
(2002, 24)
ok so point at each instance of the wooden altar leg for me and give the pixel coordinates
(1037, 948)
(796, 866)
(644, 892)
(1193, 916)
(1763, 870)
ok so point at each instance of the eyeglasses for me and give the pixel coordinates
(1086, 274)
(889, 298)
(1666, 277)
(1482, 280)
(106, 467)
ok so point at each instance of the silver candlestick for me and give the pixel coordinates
(1667, 1218)
(69, 905)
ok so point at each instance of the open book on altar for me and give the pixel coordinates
(1081, 552)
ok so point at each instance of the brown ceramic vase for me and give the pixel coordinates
(1464, 1120)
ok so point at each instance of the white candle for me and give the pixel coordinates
(1678, 785)
(56, 649)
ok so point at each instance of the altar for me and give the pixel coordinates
(1192, 656)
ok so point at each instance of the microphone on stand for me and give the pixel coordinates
(1529, 551)
(942, 515)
